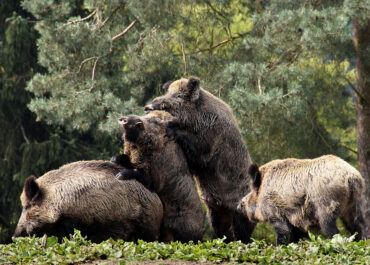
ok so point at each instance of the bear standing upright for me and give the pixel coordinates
(215, 151)
(154, 159)
(296, 195)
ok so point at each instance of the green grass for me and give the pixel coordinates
(76, 249)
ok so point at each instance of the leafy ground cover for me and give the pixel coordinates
(77, 249)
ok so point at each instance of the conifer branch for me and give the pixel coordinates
(212, 47)
(78, 20)
(97, 58)
(218, 44)
(111, 14)
(125, 31)
(275, 64)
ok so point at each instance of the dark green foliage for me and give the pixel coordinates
(276, 64)
(339, 250)
(28, 146)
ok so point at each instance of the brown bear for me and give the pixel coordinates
(297, 195)
(211, 140)
(85, 195)
(160, 163)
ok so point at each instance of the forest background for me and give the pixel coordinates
(296, 74)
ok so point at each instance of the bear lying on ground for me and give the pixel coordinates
(160, 164)
(297, 195)
(216, 154)
(85, 195)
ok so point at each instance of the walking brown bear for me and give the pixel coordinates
(216, 154)
(297, 195)
(159, 163)
(86, 195)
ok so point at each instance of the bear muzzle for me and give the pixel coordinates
(148, 108)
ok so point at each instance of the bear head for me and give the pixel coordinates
(35, 218)
(151, 131)
(182, 96)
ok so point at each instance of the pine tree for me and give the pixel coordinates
(28, 146)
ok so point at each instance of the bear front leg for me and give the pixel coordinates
(298, 234)
(328, 227)
(138, 175)
(243, 228)
(194, 147)
(122, 160)
(283, 232)
(221, 219)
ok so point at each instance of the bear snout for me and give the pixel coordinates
(148, 108)
(123, 120)
(19, 232)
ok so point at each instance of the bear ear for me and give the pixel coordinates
(139, 125)
(255, 175)
(31, 188)
(167, 85)
(171, 129)
(193, 87)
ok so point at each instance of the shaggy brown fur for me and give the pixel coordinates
(214, 149)
(152, 154)
(297, 195)
(85, 195)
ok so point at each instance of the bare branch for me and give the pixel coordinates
(354, 89)
(85, 61)
(184, 58)
(259, 85)
(24, 135)
(214, 46)
(216, 11)
(97, 58)
(125, 31)
(350, 149)
(79, 20)
(94, 68)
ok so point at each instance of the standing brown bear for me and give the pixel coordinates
(213, 145)
(297, 195)
(85, 195)
(160, 164)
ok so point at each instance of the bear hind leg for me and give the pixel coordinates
(353, 221)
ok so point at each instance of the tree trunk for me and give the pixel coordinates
(361, 42)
